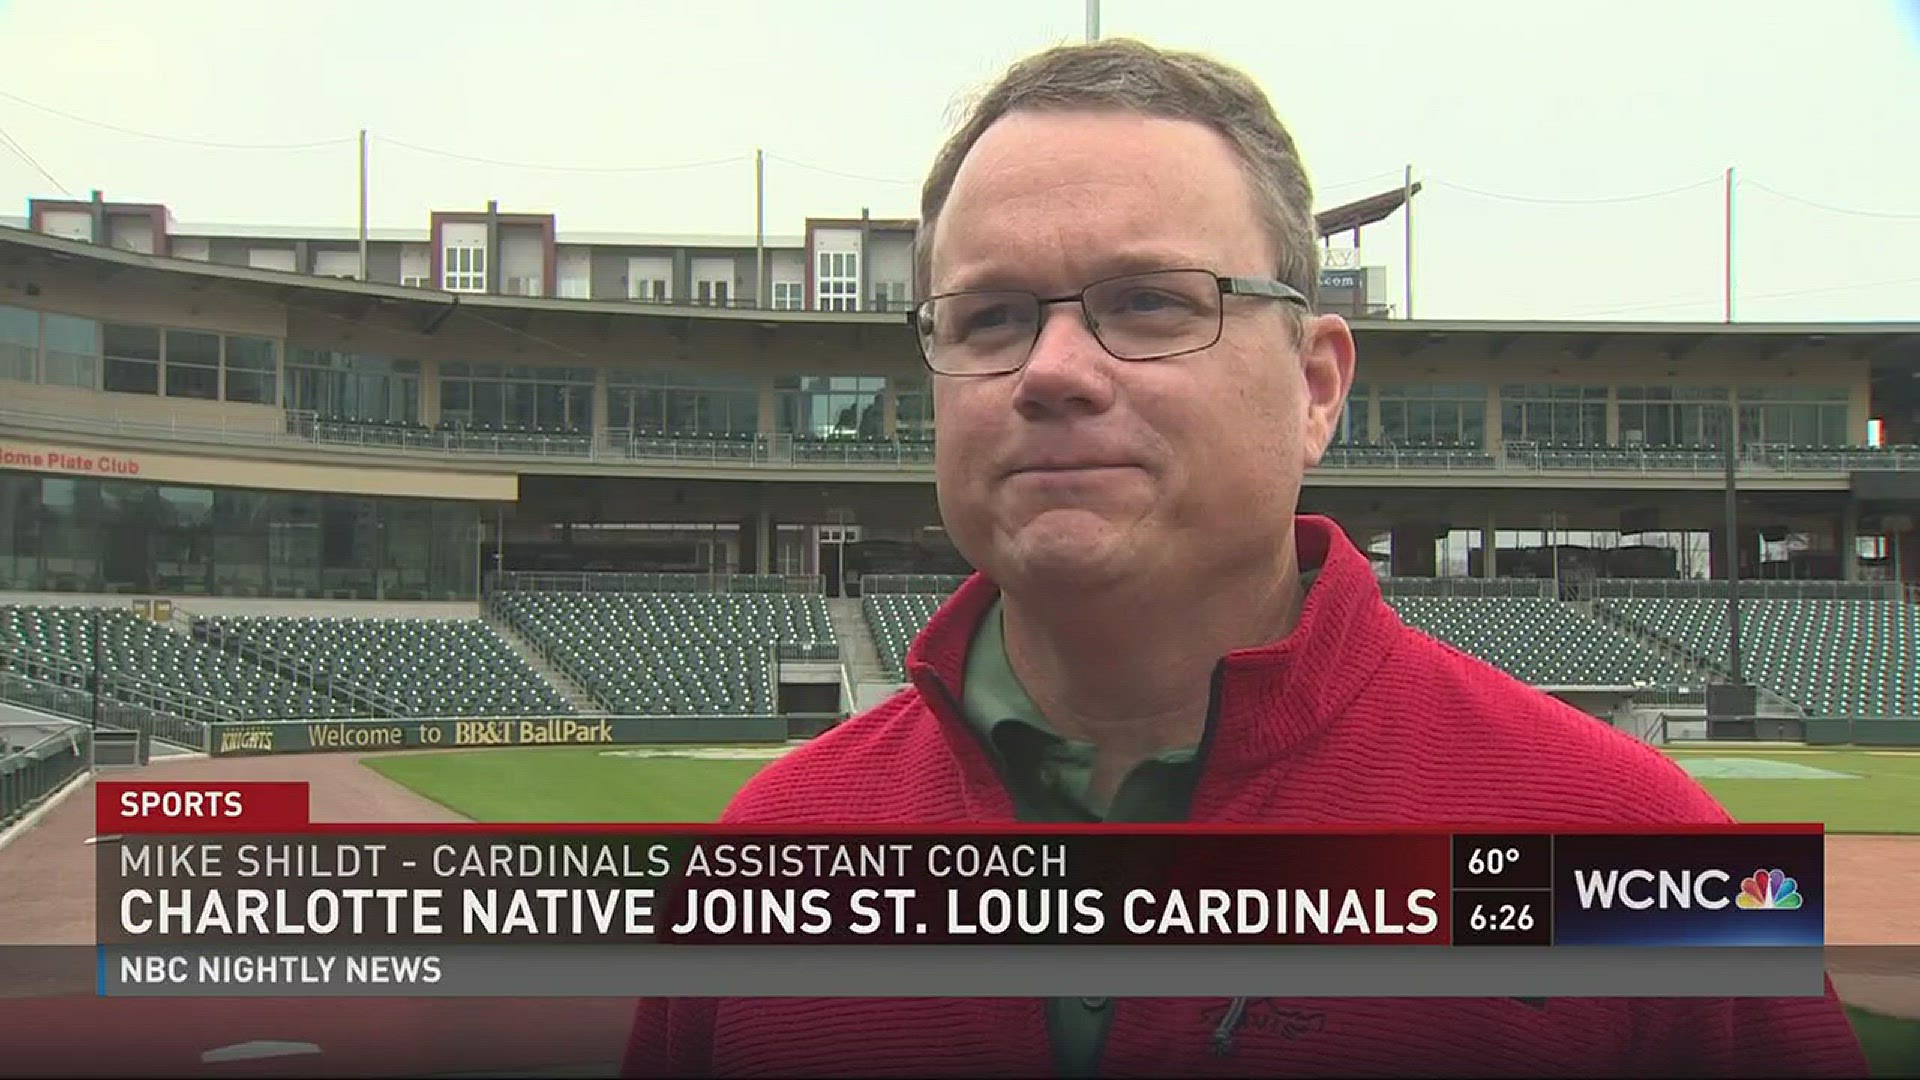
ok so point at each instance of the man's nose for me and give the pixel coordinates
(1068, 364)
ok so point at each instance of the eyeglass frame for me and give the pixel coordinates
(1227, 284)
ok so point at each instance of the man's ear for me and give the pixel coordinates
(1327, 356)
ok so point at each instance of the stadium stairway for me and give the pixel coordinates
(1766, 701)
(866, 673)
(558, 679)
(1653, 643)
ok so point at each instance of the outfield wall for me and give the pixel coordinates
(410, 733)
(1866, 731)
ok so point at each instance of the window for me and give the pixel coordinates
(889, 296)
(677, 403)
(19, 344)
(1554, 415)
(1672, 416)
(829, 406)
(1433, 415)
(91, 534)
(1354, 420)
(913, 413)
(353, 387)
(517, 397)
(839, 296)
(837, 284)
(72, 351)
(132, 359)
(253, 370)
(713, 293)
(788, 296)
(652, 290)
(61, 350)
(193, 364)
(465, 268)
(1806, 416)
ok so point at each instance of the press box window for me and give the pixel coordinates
(193, 364)
(253, 370)
(132, 359)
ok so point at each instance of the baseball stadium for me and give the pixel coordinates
(489, 521)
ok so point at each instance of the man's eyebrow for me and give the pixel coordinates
(995, 274)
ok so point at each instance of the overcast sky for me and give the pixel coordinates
(1534, 125)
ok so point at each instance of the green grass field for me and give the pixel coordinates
(1880, 795)
(569, 784)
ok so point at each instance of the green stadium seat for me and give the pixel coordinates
(896, 617)
(1832, 657)
(407, 667)
(676, 651)
(149, 653)
(1540, 641)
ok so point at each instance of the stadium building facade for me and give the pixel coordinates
(258, 415)
(235, 412)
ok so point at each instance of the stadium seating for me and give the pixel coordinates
(894, 619)
(1831, 657)
(668, 649)
(1537, 639)
(1540, 641)
(139, 649)
(416, 667)
(672, 653)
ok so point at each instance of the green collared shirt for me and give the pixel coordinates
(1048, 777)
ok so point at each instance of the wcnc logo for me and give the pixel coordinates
(1640, 890)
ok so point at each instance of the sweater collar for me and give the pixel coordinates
(1267, 699)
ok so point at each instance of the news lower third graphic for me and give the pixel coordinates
(204, 890)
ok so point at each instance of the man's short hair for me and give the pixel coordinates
(1120, 75)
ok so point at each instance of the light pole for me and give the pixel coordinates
(1730, 439)
(98, 675)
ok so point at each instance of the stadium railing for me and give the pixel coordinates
(1467, 587)
(1757, 460)
(30, 774)
(510, 581)
(1750, 589)
(304, 429)
(931, 584)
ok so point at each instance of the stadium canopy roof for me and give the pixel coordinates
(1363, 212)
(23, 254)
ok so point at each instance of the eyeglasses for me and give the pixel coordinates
(1150, 316)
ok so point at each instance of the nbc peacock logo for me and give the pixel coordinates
(1769, 890)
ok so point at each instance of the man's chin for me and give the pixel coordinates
(1055, 558)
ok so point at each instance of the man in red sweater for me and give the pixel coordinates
(1130, 380)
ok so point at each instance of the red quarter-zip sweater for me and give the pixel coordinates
(1353, 718)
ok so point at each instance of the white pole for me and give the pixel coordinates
(363, 204)
(1406, 207)
(1726, 303)
(1093, 20)
(760, 298)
